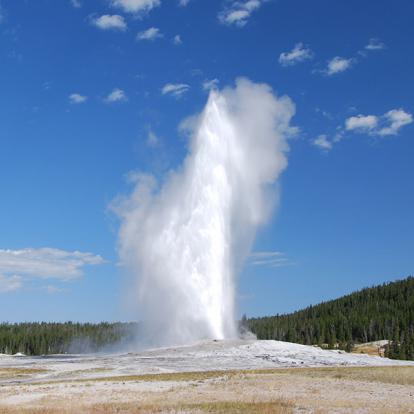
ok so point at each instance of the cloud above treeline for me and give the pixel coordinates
(19, 266)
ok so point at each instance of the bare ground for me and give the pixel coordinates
(387, 389)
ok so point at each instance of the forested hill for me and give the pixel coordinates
(60, 338)
(371, 314)
(381, 312)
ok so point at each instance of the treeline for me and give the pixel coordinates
(371, 314)
(60, 338)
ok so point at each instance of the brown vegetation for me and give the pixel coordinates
(305, 390)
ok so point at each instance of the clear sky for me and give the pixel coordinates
(93, 89)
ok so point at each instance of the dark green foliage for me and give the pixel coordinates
(371, 314)
(59, 338)
(382, 312)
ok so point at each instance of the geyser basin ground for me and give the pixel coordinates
(215, 377)
(203, 356)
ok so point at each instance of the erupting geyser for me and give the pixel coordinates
(185, 240)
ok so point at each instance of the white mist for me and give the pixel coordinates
(184, 241)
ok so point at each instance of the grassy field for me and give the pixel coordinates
(304, 390)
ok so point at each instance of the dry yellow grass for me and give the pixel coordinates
(11, 373)
(369, 349)
(403, 375)
(317, 390)
(227, 407)
(389, 375)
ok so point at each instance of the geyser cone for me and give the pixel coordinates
(185, 240)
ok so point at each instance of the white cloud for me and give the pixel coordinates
(210, 84)
(361, 123)
(183, 3)
(388, 124)
(136, 6)
(238, 12)
(175, 89)
(298, 54)
(110, 22)
(177, 40)
(375, 44)
(269, 259)
(76, 98)
(10, 283)
(338, 65)
(76, 3)
(43, 263)
(397, 118)
(117, 95)
(150, 34)
(323, 143)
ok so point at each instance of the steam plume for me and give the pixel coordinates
(185, 240)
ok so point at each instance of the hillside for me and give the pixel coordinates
(371, 314)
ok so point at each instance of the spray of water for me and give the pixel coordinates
(185, 240)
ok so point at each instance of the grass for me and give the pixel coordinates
(11, 373)
(387, 375)
(402, 375)
(163, 377)
(235, 395)
(226, 407)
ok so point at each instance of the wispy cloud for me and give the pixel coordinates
(177, 40)
(338, 64)
(388, 124)
(375, 44)
(110, 22)
(16, 266)
(269, 259)
(298, 54)
(136, 6)
(183, 3)
(76, 3)
(153, 140)
(10, 283)
(175, 89)
(76, 98)
(117, 95)
(150, 34)
(209, 84)
(323, 142)
(238, 12)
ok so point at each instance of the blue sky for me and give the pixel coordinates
(94, 89)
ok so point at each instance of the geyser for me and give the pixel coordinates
(185, 240)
